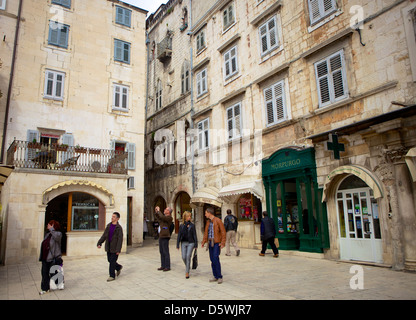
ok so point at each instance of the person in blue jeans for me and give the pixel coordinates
(215, 236)
(188, 240)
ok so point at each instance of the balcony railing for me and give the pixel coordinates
(24, 154)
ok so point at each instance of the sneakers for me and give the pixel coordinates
(261, 254)
(238, 252)
(219, 281)
(110, 279)
(119, 271)
(43, 292)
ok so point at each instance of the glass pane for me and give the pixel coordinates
(292, 214)
(341, 218)
(350, 212)
(305, 209)
(376, 220)
(279, 208)
(84, 218)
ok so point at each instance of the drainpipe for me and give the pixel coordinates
(145, 112)
(192, 97)
(9, 91)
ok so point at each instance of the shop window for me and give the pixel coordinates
(87, 213)
(249, 207)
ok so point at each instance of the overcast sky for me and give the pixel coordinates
(149, 5)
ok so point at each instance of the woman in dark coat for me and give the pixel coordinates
(50, 252)
(188, 240)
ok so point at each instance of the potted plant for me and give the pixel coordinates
(79, 149)
(61, 147)
(34, 144)
(94, 151)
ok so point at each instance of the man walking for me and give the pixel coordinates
(113, 237)
(268, 232)
(165, 220)
(231, 225)
(215, 235)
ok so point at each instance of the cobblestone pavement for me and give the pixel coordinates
(247, 277)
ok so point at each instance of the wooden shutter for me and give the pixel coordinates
(263, 38)
(230, 126)
(268, 97)
(323, 82)
(279, 101)
(32, 135)
(131, 160)
(337, 78)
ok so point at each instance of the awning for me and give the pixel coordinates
(411, 162)
(4, 174)
(207, 195)
(255, 187)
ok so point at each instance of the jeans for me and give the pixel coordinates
(112, 259)
(164, 252)
(187, 248)
(214, 256)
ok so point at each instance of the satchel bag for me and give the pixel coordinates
(276, 242)
(195, 260)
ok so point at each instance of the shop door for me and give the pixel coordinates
(358, 223)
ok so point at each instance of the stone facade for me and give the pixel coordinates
(78, 80)
(330, 70)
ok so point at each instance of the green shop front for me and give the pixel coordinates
(294, 200)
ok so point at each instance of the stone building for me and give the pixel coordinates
(74, 123)
(303, 108)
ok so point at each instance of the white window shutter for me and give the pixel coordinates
(32, 135)
(336, 69)
(323, 83)
(314, 12)
(131, 160)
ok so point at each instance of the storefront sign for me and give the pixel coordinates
(289, 160)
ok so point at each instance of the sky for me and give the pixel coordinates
(149, 5)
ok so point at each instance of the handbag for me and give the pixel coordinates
(195, 260)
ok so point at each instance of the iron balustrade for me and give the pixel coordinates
(35, 155)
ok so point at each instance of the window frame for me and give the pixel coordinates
(124, 16)
(53, 96)
(3, 4)
(158, 95)
(321, 8)
(201, 81)
(60, 26)
(200, 44)
(203, 134)
(120, 99)
(330, 79)
(270, 47)
(123, 49)
(230, 62)
(233, 121)
(185, 78)
(274, 100)
(226, 15)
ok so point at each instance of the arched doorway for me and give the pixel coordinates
(182, 204)
(358, 221)
(75, 211)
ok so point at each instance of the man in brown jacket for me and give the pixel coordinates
(215, 235)
(165, 220)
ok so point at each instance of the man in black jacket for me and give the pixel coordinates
(113, 237)
(268, 232)
(231, 225)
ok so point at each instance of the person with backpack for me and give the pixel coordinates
(231, 225)
(166, 225)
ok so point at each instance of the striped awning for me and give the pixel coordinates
(208, 195)
(255, 187)
(411, 162)
(5, 171)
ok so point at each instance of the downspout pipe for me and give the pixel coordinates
(192, 98)
(9, 90)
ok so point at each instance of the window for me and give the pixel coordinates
(230, 62)
(201, 82)
(121, 51)
(274, 97)
(200, 41)
(203, 134)
(228, 16)
(86, 213)
(121, 97)
(185, 79)
(3, 4)
(121, 147)
(159, 95)
(130, 183)
(319, 9)
(268, 36)
(54, 85)
(64, 3)
(123, 16)
(234, 121)
(331, 79)
(58, 34)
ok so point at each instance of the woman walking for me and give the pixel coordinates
(50, 253)
(188, 240)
